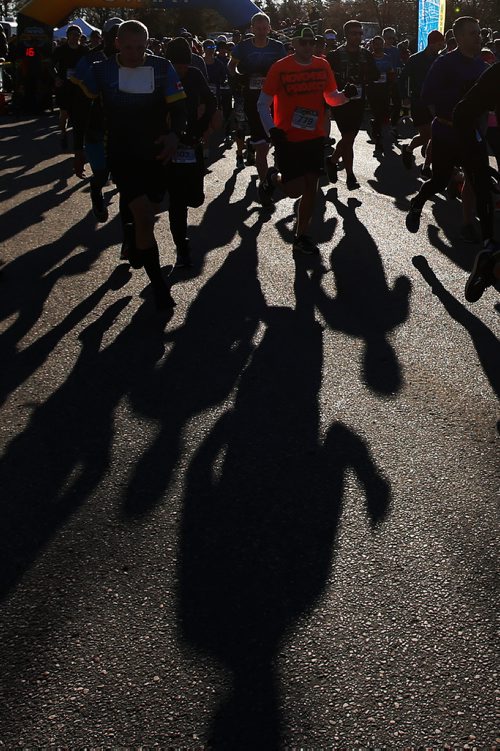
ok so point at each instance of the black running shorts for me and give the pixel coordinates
(301, 158)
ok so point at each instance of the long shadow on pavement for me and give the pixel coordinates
(259, 525)
(485, 342)
(365, 307)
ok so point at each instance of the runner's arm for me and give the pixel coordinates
(264, 107)
(335, 98)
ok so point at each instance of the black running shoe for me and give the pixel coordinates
(183, 257)
(481, 276)
(304, 244)
(413, 217)
(99, 208)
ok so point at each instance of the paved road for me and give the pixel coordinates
(268, 522)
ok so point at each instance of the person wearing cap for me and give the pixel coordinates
(145, 114)
(330, 39)
(297, 89)
(186, 169)
(410, 82)
(350, 64)
(89, 128)
(449, 76)
(253, 58)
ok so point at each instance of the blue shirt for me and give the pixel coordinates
(255, 61)
(134, 120)
(448, 80)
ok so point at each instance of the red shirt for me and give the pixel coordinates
(298, 91)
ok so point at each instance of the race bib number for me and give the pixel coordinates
(70, 73)
(382, 78)
(136, 80)
(184, 155)
(256, 82)
(305, 119)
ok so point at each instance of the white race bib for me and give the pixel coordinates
(382, 78)
(184, 155)
(256, 82)
(136, 80)
(305, 119)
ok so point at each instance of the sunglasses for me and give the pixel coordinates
(307, 42)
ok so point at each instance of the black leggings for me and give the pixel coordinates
(178, 217)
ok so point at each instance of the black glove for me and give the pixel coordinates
(350, 90)
(278, 136)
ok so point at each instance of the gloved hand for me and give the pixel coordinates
(350, 90)
(278, 136)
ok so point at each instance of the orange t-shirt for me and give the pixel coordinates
(299, 104)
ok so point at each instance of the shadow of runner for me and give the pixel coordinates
(258, 527)
(485, 342)
(365, 308)
(27, 283)
(208, 355)
(53, 466)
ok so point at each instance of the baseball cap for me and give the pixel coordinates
(111, 23)
(303, 32)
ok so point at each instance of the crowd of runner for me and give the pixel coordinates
(143, 109)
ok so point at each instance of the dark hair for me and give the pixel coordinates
(72, 28)
(351, 25)
(179, 51)
(461, 22)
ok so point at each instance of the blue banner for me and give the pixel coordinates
(431, 14)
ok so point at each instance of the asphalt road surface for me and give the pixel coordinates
(268, 522)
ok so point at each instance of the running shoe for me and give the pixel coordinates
(183, 257)
(351, 182)
(407, 157)
(304, 244)
(481, 275)
(99, 208)
(413, 217)
(266, 188)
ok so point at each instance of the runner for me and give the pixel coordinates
(483, 97)
(411, 82)
(88, 122)
(350, 64)
(297, 87)
(253, 58)
(378, 92)
(186, 170)
(138, 93)
(449, 77)
(65, 59)
(392, 50)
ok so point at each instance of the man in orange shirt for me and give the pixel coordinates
(298, 86)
